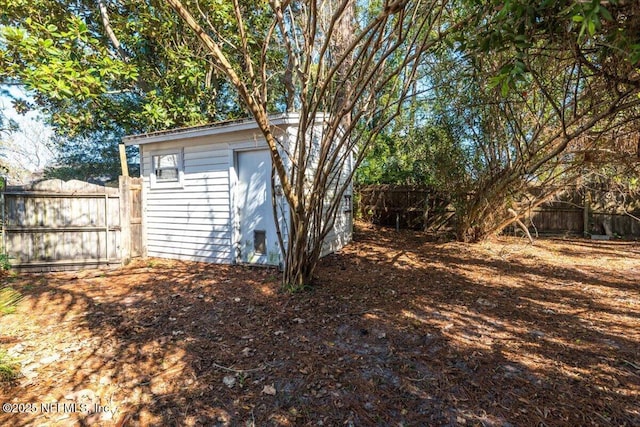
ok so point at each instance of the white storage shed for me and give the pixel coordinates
(207, 193)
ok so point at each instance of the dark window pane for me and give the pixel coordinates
(165, 167)
(260, 241)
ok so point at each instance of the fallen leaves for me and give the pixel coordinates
(229, 380)
(445, 333)
(269, 390)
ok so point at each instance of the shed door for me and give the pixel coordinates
(258, 242)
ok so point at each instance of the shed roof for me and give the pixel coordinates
(210, 129)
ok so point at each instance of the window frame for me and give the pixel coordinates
(155, 183)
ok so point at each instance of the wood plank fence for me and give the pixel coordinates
(571, 220)
(427, 209)
(404, 206)
(596, 211)
(58, 225)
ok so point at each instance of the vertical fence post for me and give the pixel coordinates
(123, 159)
(125, 219)
(3, 186)
(425, 212)
(585, 213)
(106, 226)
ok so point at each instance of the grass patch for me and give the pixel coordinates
(9, 298)
(9, 367)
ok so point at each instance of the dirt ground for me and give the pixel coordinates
(399, 330)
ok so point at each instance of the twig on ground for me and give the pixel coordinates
(633, 365)
(237, 371)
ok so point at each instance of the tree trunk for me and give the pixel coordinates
(300, 264)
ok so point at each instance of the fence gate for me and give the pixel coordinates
(57, 225)
(131, 217)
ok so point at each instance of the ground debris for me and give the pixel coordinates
(398, 330)
(269, 389)
(229, 381)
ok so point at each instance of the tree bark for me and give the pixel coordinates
(104, 15)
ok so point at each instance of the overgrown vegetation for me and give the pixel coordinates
(9, 298)
(533, 98)
(5, 263)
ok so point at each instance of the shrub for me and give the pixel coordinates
(4, 262)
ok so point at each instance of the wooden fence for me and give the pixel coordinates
(426, 209)
(404, 207)
(57, 225)
(575, 220)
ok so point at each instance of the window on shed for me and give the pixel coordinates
(260, 241)
(166, 167)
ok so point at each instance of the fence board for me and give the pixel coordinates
(55, 225)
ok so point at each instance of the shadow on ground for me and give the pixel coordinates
(397, 331)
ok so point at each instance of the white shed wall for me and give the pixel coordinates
(342, 231)
(193, 221)
(196, 220)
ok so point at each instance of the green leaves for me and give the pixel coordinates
(59, 59)
(604, 31)
(425, 153)
(634, 57)
(147, 74)
(508, 77)
(590, 16)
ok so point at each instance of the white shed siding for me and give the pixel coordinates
(342, 230)
(192, 222)
(341, 233)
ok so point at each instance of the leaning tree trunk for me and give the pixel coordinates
(484, 212)
(496, 205)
